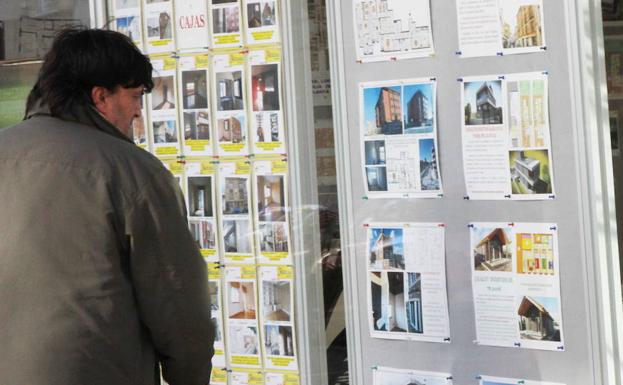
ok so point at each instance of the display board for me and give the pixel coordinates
(514, 268)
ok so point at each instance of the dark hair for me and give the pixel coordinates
(81, 59)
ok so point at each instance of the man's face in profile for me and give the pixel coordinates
(121, 106)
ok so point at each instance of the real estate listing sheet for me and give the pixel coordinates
(500, 27)
(382, 375)
(219, 376)
(392, 29)
(241, 376)
(195, 104)
(261, 20)
(516, 285)
(226, 24)
(163, 104)
(158, 24)
(201, 205)
(127, 14)
(507, 153)
(407, 297)
(398, 126)
(192, 24)
(488, 380)
(215, 279)
(281, 378)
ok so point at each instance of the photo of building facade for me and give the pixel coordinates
(524, 29)
(386, 249)
(235, 196)
(388, 111)
(493, 252)
(536, 322)
(482, 102)
(414, 303)
(530, 172)
(418, 110)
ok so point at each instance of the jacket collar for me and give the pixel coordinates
(86, 115)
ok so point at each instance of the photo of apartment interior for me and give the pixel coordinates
(273, 237)
(165, 132)
(139, 133)
(530, 174)
(213, 290)
(386, 249)
(261, 14)
(279, 341)
(271, 198)
(235, 236)
(163, 94)
(265, 87)
(493, 252)
(481, 103)
(535, 253)
(414, 303)
(196, 125)
(242, 339)
(200, 196)
(535, 321)
(419, 111)
(376, 178)
(375, 152)
(388, 301)
(204, 233)
(521, 28)
(241, 300)
(229, 91)
(194, 89)
(267, 127)
(226, 20)
(230, 130)
(235, 196)
(277, 300)
(388, 111)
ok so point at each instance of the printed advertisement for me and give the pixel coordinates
(200, 203)
(195, 104)
(277, 318)
(236, 225)
(273, 232)
(163, 106)
(243, 341)
(158, 23)
(282, 378)
(500, 27)
(392, 376)
(231, 122)
(399, 139)
(516, 285)
(261, 21)
(246, 377)
(507, 152)
(392, 29)
(487, 380)
(407, 297)
(226, 24)
(215, 272)
(127, 15)
(265, 89)
(192, 24)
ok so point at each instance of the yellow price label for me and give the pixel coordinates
(280, 167)
(273, 55)
(243, 168)
(285, 272)
(263, 35)
(202, 61)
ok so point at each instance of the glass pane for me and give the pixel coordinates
(15, 83)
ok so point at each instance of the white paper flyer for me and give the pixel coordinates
(516, 285)
(267, 129)
(243, 341)
(215, 273)
(163, 104)
(500, 27)
(407, 296)
(392, 376)
(262, 21)
(507, 152)
(488, 380)
(195, 104)
(230, 95)
(158, 26)
(241, 376)
(127, 14)
(236, 221)
(191, 24)
(392, 29)
(226, 24)
(398, 125)
(281, 378)
(201, 206)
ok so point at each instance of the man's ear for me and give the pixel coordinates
(98, 96)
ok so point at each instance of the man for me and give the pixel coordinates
(100, 279)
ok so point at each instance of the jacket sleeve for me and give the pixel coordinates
(171, 283)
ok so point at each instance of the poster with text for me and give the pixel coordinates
(240, 376)
(488, 380)
(177, 170)
(236, 221)
(140, 127)
(516, 285)
(398, 125)
(392, 29)
(243, 338)
(127, 14)
(163, 104)
(266, 122)
(500, 27)
(262, 21)
(229, 96)
(215, 272)
(507, 152)
(191, 25)
(226, 23)
(158, 25)
(273, 232)
(277, 318)
(201, 206)
(392, 376)
(407, 296)
(195, 104)
(281, 378)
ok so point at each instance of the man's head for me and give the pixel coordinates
(94, 67)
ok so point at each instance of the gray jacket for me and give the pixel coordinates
(99, 276)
